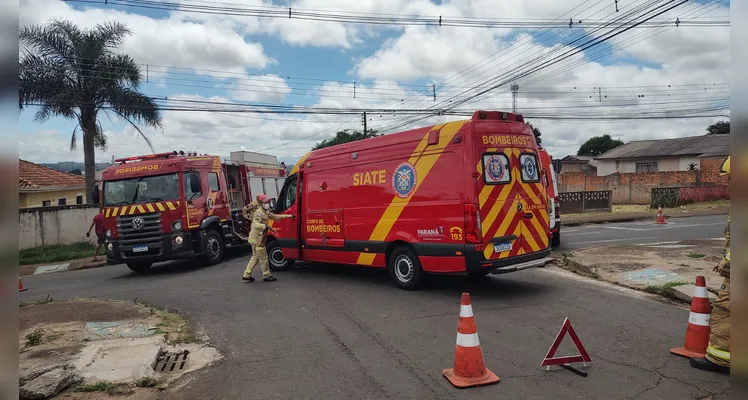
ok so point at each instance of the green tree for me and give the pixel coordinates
(76, 73)
(598, 145)
(346, 136)
(536, 132)
(719, 128)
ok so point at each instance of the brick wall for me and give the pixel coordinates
(632, 188)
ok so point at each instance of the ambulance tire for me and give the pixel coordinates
(212, 248)
(405, 268)
(139, 267)
(276, 260)
(556, 239)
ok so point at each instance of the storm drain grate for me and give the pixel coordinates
(171, 362)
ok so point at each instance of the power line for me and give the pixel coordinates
(239, 10)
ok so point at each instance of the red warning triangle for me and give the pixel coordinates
(551, 360)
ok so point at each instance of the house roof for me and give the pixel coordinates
(35, 176)
(577, 159)
(701, 146)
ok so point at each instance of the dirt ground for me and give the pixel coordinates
(84, 310)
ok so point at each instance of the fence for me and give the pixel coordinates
(678, 196)
(581, 202)
(54, 225)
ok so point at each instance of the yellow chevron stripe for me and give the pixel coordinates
(150, 208)
(423, 164)
(141, 210)
(170, 205)
(510, 216)
(160, 207)
(132, 210)
(487, 189)
(518, 232)
(494, 212)
(106, 212)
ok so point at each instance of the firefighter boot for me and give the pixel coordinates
(706, 365)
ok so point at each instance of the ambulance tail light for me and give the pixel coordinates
(472, 224)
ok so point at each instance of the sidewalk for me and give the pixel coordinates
(627, 217)
(668, 269)
(61, 266)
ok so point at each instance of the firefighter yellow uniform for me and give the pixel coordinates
(259, 253)
(718, 351)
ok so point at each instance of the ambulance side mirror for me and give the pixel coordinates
(273, 203)
(195, 183)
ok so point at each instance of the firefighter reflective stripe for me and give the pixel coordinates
(717, 353)
(467, 339)
(727, 255)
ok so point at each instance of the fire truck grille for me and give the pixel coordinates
(147, 231)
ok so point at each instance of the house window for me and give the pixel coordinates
(46, 203)
(62, 201)
(645, 167)
(79, 199)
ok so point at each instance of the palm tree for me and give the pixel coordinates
(74, 73)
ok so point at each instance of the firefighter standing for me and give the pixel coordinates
(718, 352)
(259, 253)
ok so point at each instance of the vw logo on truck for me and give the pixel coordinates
(137, 223)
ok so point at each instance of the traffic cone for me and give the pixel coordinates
(20, 285)
(660, 216)
(469, 368)
(697, 333)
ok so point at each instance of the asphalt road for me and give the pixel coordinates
(334, 332)
(642, 232)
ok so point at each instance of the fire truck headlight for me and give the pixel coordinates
(178, 240)
(176, 226)
(110, 247)
(108, 233)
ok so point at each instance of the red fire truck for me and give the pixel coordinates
(162, 206)
(461, 197)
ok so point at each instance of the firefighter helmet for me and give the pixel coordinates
(725, 169)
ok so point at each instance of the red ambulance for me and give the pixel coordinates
(461, 197)
(554, 206)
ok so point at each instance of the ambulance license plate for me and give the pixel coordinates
(140, 249)
(502, 247)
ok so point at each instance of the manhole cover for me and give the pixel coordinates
(171, 362)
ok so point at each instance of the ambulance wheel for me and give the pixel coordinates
(139, 267)
(276, 259)
(405, 269)
(212, 248)
(556, 239)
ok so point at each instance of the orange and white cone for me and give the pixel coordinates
(697, 333)
(660, 216)
(469, 368)
(20, 285)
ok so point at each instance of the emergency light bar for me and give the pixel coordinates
(152, 156)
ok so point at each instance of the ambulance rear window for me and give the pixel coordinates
(529, 167)
(496, 169)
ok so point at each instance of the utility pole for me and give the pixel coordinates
(364, 122)
(599, 94)
(515, 88)
(354, 90)
(433, 87)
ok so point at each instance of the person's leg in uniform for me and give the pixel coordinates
(718, 352)
(262, 255)
(251, 265)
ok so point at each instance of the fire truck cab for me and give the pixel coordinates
(170, 205)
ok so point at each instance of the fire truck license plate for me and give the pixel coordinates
(139, 249)
(502, 247)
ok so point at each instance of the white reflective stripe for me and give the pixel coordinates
(721, 354)
(466, 311)
(467, 339)
(698, 319)
(700, 291)
(727, 255)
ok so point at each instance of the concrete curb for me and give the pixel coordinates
(604, 219)
(72, 265)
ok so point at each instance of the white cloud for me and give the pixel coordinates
(261, 88)
(164, 41)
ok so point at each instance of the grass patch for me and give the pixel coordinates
(48, 299)
(55, 253)
(696, 255)
(146, 382)
(173, 326)
(35, 338)
(664, 290)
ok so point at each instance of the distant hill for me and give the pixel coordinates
(68, 166)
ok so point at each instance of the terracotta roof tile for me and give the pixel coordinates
(32, 175)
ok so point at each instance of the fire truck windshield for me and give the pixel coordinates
(143, 189)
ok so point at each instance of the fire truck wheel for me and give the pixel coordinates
(276, 259)
(212, 248)
(556, 239)
(405, 268)
(139, 267)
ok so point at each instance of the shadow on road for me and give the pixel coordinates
(185, 265)
(515, 285)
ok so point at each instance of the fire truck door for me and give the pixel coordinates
(194, 195)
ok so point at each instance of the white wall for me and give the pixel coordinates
(55, 225)
(664, 164)
(684, 161)
(606, 167)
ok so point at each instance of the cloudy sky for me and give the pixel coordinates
(229, 54)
